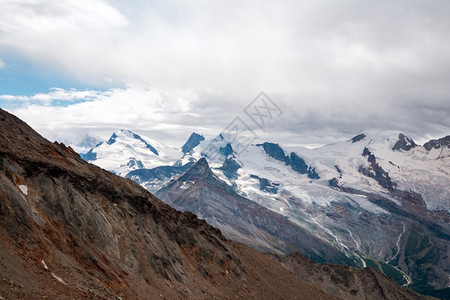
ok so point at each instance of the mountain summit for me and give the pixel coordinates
(126, 151)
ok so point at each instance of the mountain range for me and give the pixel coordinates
(377, 199)
(71, 230)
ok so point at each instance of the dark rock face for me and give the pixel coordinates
(297, 163)
(334, 183)
(377, 172)
(90, 156)
(358, 138)
(339, 171)
(266, 185)
(275, 151)
(112, 139)
(100, 236)
(382, 177)
(437, 144)
(227, 150)
(404, 143)
(312, 174)
(230, 167)
(193, 141)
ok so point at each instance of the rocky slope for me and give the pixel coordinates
(69, 229)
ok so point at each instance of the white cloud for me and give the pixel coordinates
(49, 17)
(341, 65)
(2, 64)
(56, 94)
(171, 115)
(236, 47)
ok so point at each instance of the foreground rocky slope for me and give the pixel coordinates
(69, 230)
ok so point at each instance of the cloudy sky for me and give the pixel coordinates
(167, 68)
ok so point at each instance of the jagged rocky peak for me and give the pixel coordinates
(89, 142)
(198, 169)
(230, 168)
(358, 138)
(86, 144)
(404, 143)
(220, 148)
(193, 141)
(202, 163)
(438, 144)
(394, 139)
(122, 133)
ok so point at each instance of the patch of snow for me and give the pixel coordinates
(23, 189)
(364, 203)
(53, 274)
(45, 265)
(58, 278)
(357, 247)
(398, 242)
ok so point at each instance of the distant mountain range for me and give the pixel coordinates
(378, 199)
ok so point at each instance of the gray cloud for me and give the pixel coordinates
(335, 67)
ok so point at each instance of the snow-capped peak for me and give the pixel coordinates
(128, 136)
(126, 151)
(87, 143)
